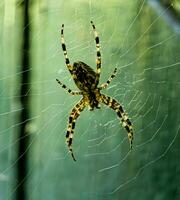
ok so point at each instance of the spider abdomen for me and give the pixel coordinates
(84, 76)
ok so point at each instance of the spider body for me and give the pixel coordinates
(84, 77)
(87, 80)
(92, 99)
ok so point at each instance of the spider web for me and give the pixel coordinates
(136, 38)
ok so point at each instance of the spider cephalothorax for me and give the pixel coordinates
(87, 81)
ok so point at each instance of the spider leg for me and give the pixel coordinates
(68, 90)
(98, 53)
(75, 112)
(112, 103)
(105, 85)
(69, 66)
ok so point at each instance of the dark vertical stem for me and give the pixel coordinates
(22, 165)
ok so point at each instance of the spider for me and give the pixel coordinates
(87, 80)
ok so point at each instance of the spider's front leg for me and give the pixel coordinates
(69, 66)
(112, 103)
(76, 111)
(98, 53)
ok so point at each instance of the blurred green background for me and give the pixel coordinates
(142, 39)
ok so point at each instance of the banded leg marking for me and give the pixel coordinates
(67, 89)
(64, 50)
(105, 85)
(98, 53)
(112, 103)
(76, 111)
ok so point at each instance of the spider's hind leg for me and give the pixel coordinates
(113, 104)
(76, 111)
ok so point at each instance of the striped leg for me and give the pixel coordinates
(105, 85)
(112, 103)
(68, 90)
(76, 111)
(64, 50)
(98, 58)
